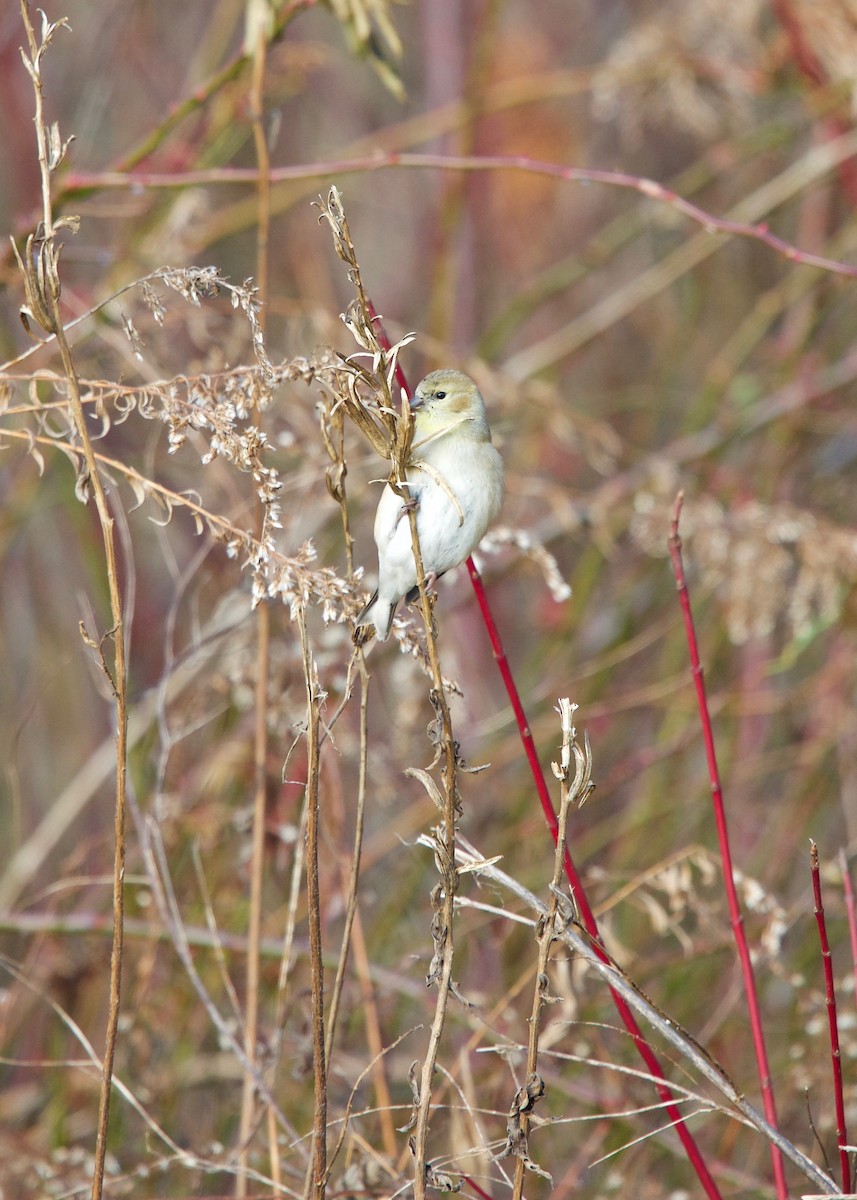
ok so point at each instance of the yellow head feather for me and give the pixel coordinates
(447, 401)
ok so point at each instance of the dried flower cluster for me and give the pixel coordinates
(531, 548)
(769, 563)
(682, 69)
(223, 408)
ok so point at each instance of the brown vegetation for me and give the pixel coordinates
(633, 225)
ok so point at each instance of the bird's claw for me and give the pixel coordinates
(407, 506)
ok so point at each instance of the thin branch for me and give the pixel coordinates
(735, 914)
(256, 17)
(42, 285)
(574, 788)
(832, 1023)
(317, 1169)
(443, 896)
(817, 162)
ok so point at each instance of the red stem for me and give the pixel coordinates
(735, 914)
(830, 992)
(759, 231)
(584, 908)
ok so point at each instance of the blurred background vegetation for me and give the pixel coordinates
(624, 352)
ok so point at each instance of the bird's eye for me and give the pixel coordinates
(440, 395)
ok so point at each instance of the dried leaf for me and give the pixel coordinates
(428, 783)
(414, 1081)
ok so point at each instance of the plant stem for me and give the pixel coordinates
(263, 640)
(316, 1175)
(46, 276)
(833, 1026)
(735, 914)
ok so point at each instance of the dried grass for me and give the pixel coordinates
(233, 435)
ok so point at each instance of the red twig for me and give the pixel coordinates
(830, 993)
(852, 915)
(839, 150)
(735, 914)
(474, 1187)
(381, 334)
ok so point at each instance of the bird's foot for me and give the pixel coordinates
(413, 596)
(407, 506)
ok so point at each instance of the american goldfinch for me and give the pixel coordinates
(455, 481)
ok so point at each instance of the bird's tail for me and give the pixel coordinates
(378, 613)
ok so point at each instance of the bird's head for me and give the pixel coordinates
(448, 402)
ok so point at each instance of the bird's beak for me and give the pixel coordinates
(416, 401)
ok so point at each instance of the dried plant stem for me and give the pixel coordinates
(317, 1171)
(263, 639)
(735, 913)
(444, 837)
(445, 857)
(170, 497)
(545, 932)
(374, 1038)
(260, 9)
(118, 679)
(354, 874)
(257, 870)
(43, 286)
(333, 437)
(391, 434)
(833, 1025)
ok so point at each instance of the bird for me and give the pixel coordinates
(454, 481)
